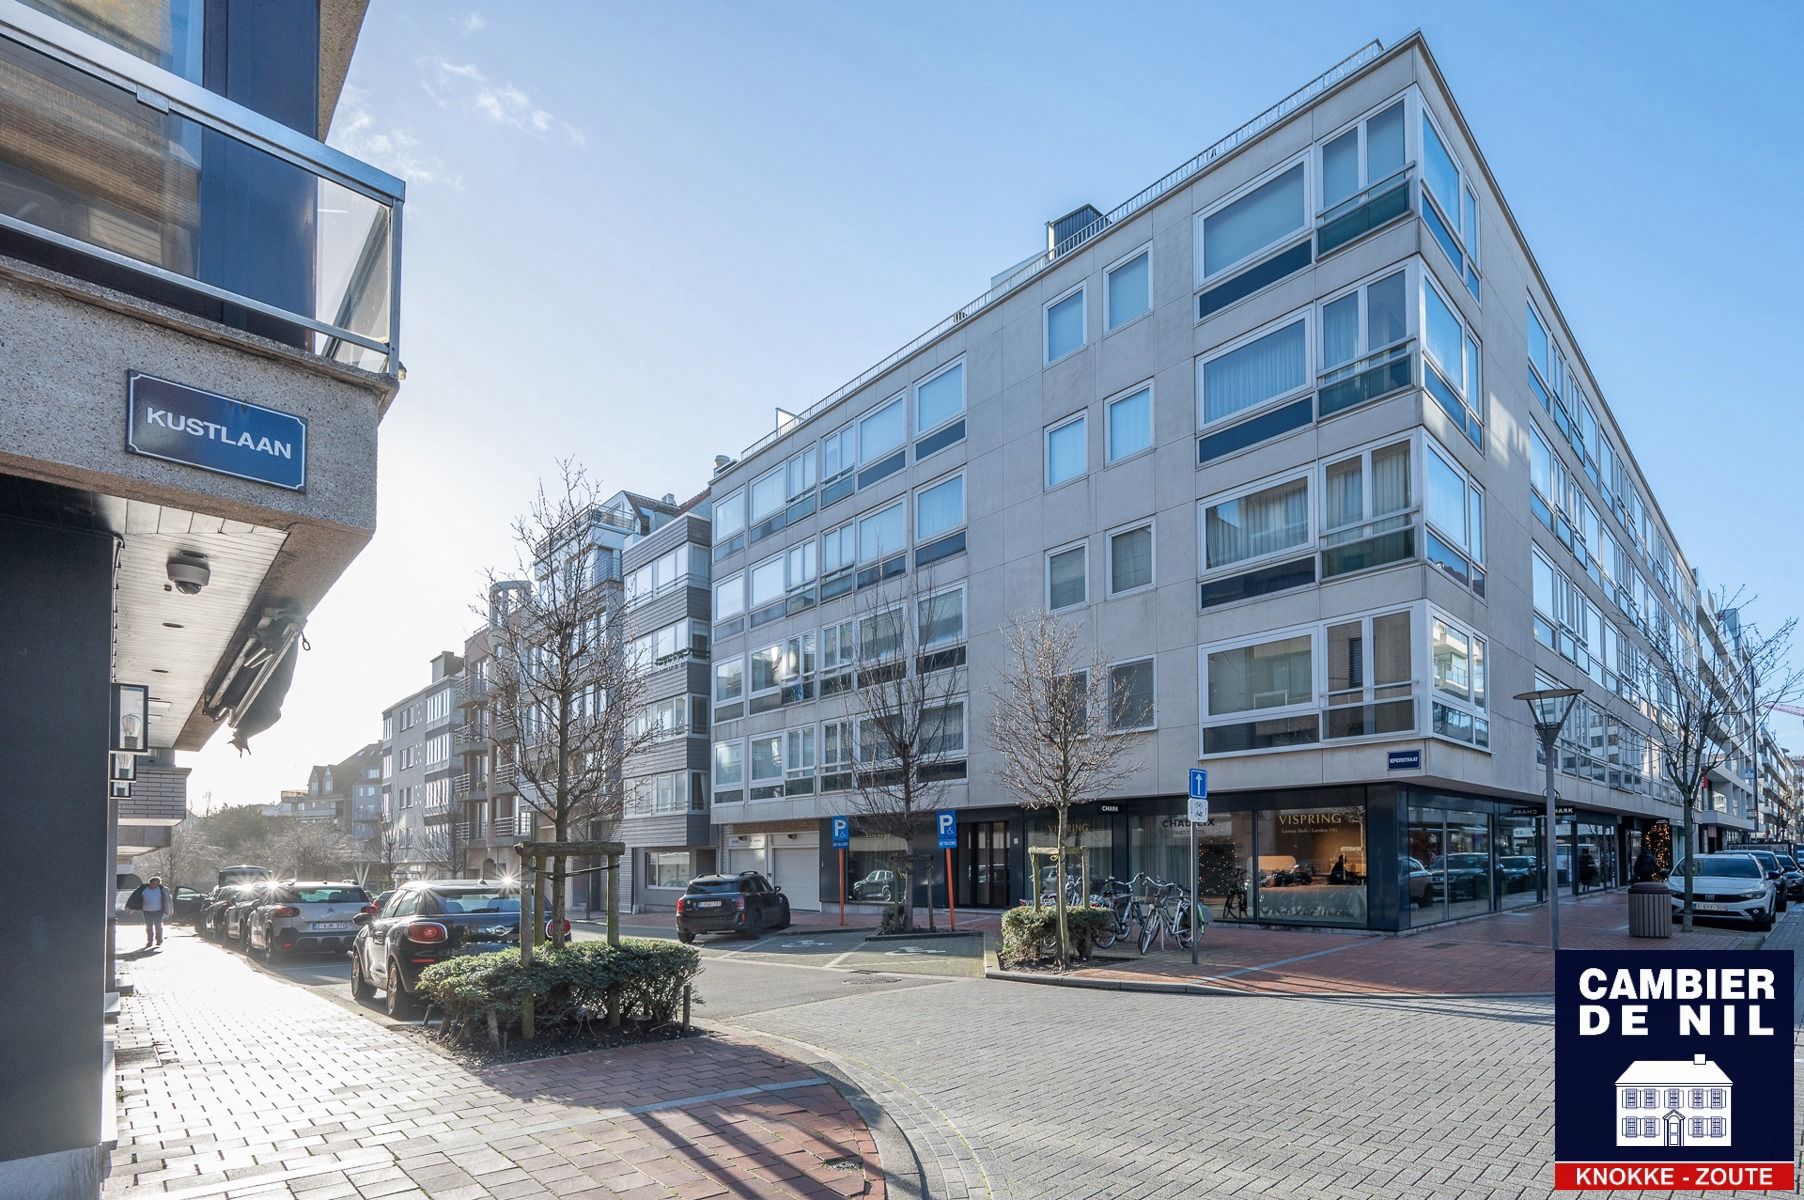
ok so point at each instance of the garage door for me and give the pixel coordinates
(799, 876)
(743, 860)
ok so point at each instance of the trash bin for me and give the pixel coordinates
(1650, 910)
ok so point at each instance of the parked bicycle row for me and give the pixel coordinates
(1147, 910)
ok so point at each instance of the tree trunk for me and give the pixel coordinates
(1690, 871)
(1058, 899)
(558, 866)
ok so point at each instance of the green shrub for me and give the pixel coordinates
(1032, 935)
(569, 986)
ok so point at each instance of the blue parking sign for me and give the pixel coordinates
(842, 832)
(948, 827)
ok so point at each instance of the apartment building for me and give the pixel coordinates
(418, 773)
(1301, 440)
(197, 308)
(348, 793)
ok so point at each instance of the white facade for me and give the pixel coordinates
(1662, 1102)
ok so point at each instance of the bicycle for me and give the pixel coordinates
(1130, 901)
(1175, 913)
(1234, 903)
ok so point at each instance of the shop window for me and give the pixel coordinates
(1311, 866)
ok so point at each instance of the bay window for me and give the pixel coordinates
(1127, 290)
(1452, 355)
(1368, 153)
(1370, 680)
(1266, 215)
(1368, 509)
(1065, 325)
(1268, 367)
(1130, 423)
(1366, 323)
(1253, 694)
(881, 431)
(1451, 211)
(882, 533)
(1066, 450)
(1255, 525)
(940, 397)
(1455, 510)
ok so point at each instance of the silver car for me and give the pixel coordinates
(1725, 885)
(306, 917)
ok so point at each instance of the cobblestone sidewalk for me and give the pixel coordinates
(235, 1084)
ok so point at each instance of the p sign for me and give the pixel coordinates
(842, 832)
(947, 823)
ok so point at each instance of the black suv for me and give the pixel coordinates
(743, 903)
(427, 922)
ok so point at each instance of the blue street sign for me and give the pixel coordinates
(948, 827)
(1199, 783)
(183, 424)
(1404, 760)
(842, 832)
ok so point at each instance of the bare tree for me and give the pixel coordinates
(1700, 702)
(191, 857)
(905, 714)
(565, 676)
(1050, 722)
(311, 849)
(391, 852)
(443, 846)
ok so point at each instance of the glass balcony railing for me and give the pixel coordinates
(122, 173)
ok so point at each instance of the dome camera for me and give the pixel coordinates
(189, 572)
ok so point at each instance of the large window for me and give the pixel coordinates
(1311, 866)
(1066, 450)
(1267, 368)
(769, 494)
(940, 397)
(882, 533)
(1254, 694)
(1267, 521)
(1127, 292)
(1458, 658)
(939, 508)
(882, 431)
(1130, 559)
(729, 597)
(1452, 210)
(1370, 683)
(1065, 325)
(766, 669)
(1370, 152)
(880, 635)
(767, 582)
(942, 619)
(1067, 577)
(1263, 217)
(1369, 319)
(1456, 515)
(1130, 423)
(1366, 493)
(943, 731)
(1453, 358)
(667, 868)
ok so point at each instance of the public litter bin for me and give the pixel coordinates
(1650, 910)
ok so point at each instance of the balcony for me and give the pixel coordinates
(498, 831)
(121, 173)
(504, 781)
(471, 737)
(472, 690)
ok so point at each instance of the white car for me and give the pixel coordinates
(1727, 886)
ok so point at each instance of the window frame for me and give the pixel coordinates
(780, 559)
(1083, 308)
(922, 645)
(1199, 227)
(1358, 126)
(734, 583)
(1150, 524)
(1080, 544)
(1109, 324)
(1469, 345)
(1317, 690)
(1406, 517)
(914, 513)
(1431, 445)
(1366, 354)
(1110, 457)
(734, 499)
(846, 437)
(865, 456)
(964, 396)
(1305, 315)
(726, 663)
(1152, 724)
(780, 473)
(1081, 415)
(882, 554)
(1467, 238)
(1240, 566)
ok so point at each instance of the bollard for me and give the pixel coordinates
(686, 989)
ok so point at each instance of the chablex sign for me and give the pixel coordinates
(1673, 1070)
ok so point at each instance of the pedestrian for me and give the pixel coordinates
(1339, 873)
(1645, 866)
(153, 900)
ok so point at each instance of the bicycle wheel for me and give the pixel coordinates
(1106, 938)
(1147, 929)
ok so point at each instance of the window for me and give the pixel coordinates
(839, 647)
(1453, 355)
(729, 680)
(882, 533)
(729, 516)
(1067, 577)
(729, 764)
(766, 752)
(1131, 695)
(836, 747)
(939, 508)
(729, 597)
(801, 564)
(1440, 173)
(881, 431)
(1065, 325)
(1127, 290)
(1265, 675)
(940, 397)
(880, 636)
(667, 868)
(1370, 688)
(1455, 505)
(839, 453)
(798, 760)
(1130, 423)
(1066, 451)
(767, 582)
(1628, 1126)
(1130, 559)
(1261, 218)
(1372, 486)
(768, 495)
(767, 670)
(799, 475)
(1270, 366)
(1458, 678)
(1370, 152)
(839, 549)
(1363, 322)
(943, 731)
(1452, 211)
(1538, 344)
(1268, 521)
(942, 619)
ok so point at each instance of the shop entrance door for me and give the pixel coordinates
(983, 875)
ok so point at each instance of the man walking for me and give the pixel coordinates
(152, 899)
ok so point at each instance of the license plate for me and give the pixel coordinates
(330, 926)
(707, 904)
(1698, 906)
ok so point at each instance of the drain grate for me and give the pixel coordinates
(855, 980)
(136, 1056)
(845, 1162)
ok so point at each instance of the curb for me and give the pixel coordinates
(924, 936)
(1175, 988)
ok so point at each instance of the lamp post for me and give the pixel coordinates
(1549, 708)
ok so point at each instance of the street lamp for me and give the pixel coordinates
(1550, 707)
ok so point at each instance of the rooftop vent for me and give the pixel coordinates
(722, 462)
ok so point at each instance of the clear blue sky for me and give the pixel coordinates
(635, 230)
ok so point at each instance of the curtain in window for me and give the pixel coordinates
(1390, 480)
(1271, 366)
(1065, 452)
(1340, 330)
(940, 508)
(1254, 221)
(1343, 501)
(1260, 524)
(1131, 555)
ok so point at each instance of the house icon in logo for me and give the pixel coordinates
(1673, 1102)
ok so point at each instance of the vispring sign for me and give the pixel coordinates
(1673, 1070)
(183, 424)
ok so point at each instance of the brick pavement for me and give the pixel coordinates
(236, 1084)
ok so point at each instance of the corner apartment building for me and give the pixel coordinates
(198, 305)
(418, 772)
(349, 793)
(1302, 440)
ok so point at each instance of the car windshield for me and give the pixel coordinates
(1733, 866)
(1766, 860)
(713, 887)
(1788, 862)
(303, 894)
(492, 900)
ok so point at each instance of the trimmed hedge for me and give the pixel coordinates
(1032, 935)
(480, 994)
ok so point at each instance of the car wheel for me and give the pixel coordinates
(685, 936)
(1766, 920)
(785, 924)
(755, 927)
(1781, 902)
(361, 988)
(400, 1005)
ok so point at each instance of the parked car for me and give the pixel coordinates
(211, 921)
(1769, 863)
(243, 874)
(1417, 875)
(185, 903)
(237, 912)
(1796, 888)
(1515, 872)
(1728, 886)
(744, 903)
(427, 922)
(302, 918)
(878, 885)
(1462, 875)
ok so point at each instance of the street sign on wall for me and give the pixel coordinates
(197, 428)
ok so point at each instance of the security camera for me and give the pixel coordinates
(189, 572)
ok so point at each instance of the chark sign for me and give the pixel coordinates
(1673, 1070)
(177, 423)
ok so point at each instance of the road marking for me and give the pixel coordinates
(913, 950)
(1281, 962)
(731, 1094)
